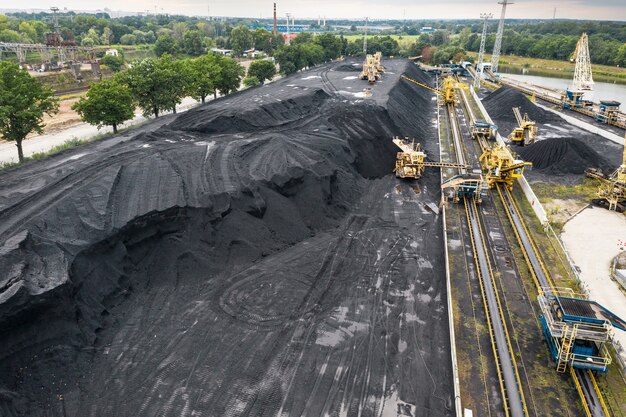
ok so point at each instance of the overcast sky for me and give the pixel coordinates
(411, 9)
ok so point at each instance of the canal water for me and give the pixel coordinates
(601, 90)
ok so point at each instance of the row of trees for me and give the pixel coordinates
(154, 85)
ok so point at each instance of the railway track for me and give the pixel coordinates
(509, 380)
(591, 397)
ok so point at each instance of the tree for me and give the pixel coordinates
(231, 73)
(23, 102)
(128, 39)
(107, 103)
(262, 70)
(263, 40)
(331, 45)
(115, 63)
(204, 72)
(290, 58)
(178, 30)
(165, 44)
(352, 28)
(312, 54)
(157, 84)
(250, 81)
(193, 43)
(240, 40)
(302, 38)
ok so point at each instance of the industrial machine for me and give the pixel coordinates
(577, 329)
(467, 185)
(447, 91)
(378, 56)
(526, 131)
(411, 161)
(583, 79)
(609, 111)
(482, 129)
(370, 69)
(500, 166)
(612, 190)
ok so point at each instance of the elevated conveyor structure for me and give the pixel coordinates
(510, 384)
(581, 331)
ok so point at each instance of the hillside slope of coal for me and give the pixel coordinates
(252, 258)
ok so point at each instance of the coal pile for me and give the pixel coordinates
(253, 257)
(499, 104)
(349, 67)
(562, 156)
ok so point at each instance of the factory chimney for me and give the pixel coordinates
(274, 31)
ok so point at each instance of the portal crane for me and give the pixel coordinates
(526, 132)
(612, 190)
(410, 163)
(583, 79)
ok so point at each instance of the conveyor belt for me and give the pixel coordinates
(505, 362)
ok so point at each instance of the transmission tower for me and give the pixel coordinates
(496, 48)
(365, 39)
(55, 19)
(481, 53)
(583, 80)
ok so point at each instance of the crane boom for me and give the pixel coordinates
(411, 80)
(518, 116)
(583, 79)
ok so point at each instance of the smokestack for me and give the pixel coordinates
(274, 31)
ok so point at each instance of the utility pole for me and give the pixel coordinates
(365, 38)
(288, 40)
(481, 52)
(496, 48)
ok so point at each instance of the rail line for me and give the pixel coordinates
(591, 397)
(509, 380)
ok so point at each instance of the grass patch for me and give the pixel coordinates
(547, 192)
(552, 67)
(72, 95)
(70, 144)
(403, 40)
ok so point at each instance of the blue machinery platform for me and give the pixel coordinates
(577, 330)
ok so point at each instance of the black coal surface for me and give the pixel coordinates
(562, 156)
(349, 67)
(499, 104)
(254, 255)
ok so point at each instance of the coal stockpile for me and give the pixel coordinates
(255, 256)
(562, 156)
(499, 104)
(355, 67)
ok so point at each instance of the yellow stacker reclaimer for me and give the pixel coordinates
(612, 190)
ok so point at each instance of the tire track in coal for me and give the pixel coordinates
(347, 239)
(326, 81)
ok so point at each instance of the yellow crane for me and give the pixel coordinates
(447, 91)
(526, 131)
(612, 190)
(500, 166)
(378, 57)
(370, 69)
(411, 161)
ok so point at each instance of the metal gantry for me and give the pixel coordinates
(46, 52)
(496, 47)
(583, 79)
(485, 17)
